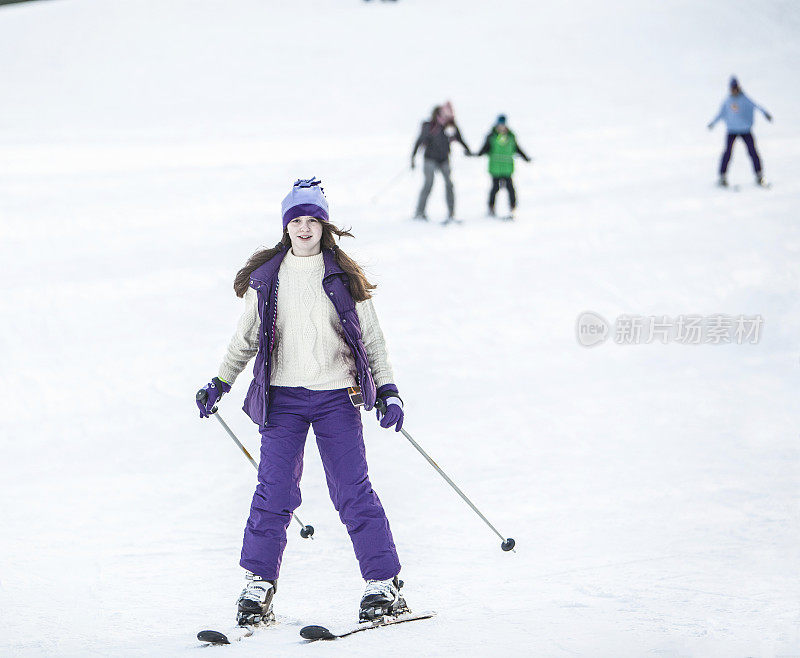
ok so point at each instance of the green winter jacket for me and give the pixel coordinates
(501, 149)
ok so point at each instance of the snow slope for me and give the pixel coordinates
(652, 489)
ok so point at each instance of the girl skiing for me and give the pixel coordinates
(737, 112)
(311, 326)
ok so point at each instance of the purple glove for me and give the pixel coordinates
(210, 394)
(394, 408)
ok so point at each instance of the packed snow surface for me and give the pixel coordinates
(652, 489)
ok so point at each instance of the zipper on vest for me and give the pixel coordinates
(270, 348)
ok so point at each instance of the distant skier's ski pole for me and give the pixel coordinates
(389, 185)
(508, 544)
(307, 530)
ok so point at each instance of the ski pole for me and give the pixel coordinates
(307, 530)
(508, 543)
(389, 185)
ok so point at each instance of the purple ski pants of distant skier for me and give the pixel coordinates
(751, 149)
(337, 426)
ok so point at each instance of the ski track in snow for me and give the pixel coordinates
(652, 490)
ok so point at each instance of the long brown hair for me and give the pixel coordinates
(360, 287)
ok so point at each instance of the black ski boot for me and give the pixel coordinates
(382, 598)
(255, 602)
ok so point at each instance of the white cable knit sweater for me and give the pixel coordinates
(310, 349)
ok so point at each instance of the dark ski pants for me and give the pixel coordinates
(429, 168)
(337, 426)
(506, 182)
(751, 149)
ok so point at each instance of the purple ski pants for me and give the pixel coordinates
(337, 426)
(749, 142)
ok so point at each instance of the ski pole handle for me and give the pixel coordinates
(507, 543)
(306, 530)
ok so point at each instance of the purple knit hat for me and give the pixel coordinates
(307, 198)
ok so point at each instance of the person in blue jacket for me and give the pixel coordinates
(737, 112)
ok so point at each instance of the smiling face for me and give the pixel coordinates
(306, 235)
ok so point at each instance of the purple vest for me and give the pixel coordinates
(336, 284)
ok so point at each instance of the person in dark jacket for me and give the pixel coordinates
(501, 146)
(435, 137)
(314, 342)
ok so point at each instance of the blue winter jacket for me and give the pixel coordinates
(737, 112)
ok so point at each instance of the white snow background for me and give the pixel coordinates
(652, 490)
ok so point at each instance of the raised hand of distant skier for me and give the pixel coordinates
(210, 394)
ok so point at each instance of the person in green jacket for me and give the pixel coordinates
(501, 145)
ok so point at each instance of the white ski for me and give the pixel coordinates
(322, 633)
